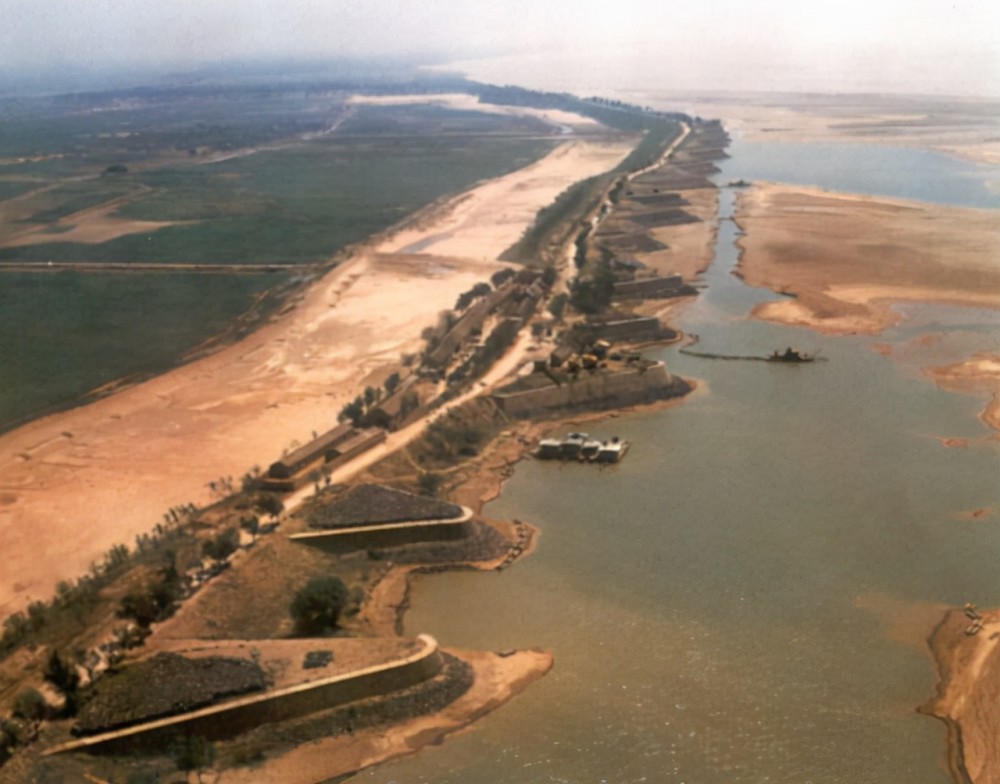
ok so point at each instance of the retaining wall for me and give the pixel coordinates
(632, 329)
(239, 715)
(393, 535)
(598, 390)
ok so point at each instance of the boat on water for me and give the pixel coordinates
(791, 355)
(611, 452)
(581, 447)
(590, 449)
(572, 445)
(549, 449)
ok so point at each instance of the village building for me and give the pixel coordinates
(327, 451)
(653, 288)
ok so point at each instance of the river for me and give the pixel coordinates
(745, 597)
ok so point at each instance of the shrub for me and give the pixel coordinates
(558, 304)
(156, 602)
(193, 752)
(501, 276)
(62, 674)
(429, 482)
(223, 545)
(317, 606)
(30, 705)
(270, 503)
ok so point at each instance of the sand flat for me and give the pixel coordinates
(846, 258)
(487, 221)
(690, 246)
(977, 375)
(75, 483)
(966, 127)
(471, 103)
(969, 687)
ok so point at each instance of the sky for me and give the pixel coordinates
(936, 46)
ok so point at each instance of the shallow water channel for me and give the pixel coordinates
(744, 598)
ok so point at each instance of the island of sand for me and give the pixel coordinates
(844, 260)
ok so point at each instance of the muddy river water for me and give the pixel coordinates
(745, 597)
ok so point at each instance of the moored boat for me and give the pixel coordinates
(611, 452)
(573, 444)
(549, 449)
(590, 449)
(790, 355)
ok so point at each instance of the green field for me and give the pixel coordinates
(67, 333)
(291, 206)
(11, 187)
(59, 201)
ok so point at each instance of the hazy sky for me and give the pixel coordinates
(944, 45)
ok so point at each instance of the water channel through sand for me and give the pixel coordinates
(744, 598)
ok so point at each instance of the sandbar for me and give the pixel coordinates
(965, 127)
(968, 692)
(978, 375)
(845, 258)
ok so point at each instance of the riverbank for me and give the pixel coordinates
(497, 677)
(845, 259)
(113, 467)
(967, 694)
(979, 375)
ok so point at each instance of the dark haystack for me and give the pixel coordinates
(374, 505)
(165, 685)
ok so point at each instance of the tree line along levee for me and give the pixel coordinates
(456, 352)
(456, 355)
(583, 371)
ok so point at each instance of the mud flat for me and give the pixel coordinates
(968, 692)
(979, 375)
(845, 259)
(75, 483)
(965, 127)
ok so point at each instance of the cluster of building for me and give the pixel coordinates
(515, 300)
(321, 455)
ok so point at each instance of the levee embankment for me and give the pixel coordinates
(387, 534)
(594, 391)
(243, 714)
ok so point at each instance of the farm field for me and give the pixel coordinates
(292, 201)
(65, 334)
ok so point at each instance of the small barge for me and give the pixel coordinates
(791, 355)
(582, 448)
